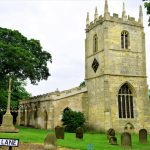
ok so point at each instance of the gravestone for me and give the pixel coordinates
(110, 132)
(59, 132)
(126, 139)
(143, 136)
(79, 133)
(50, 142)
(113, 140)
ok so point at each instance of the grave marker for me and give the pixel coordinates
(50, 142)
(110, 132)
(143, 136)
(126, 139)
(79, 133)
(59, 132)
(113, 140)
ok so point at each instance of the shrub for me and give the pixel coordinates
(72, 119)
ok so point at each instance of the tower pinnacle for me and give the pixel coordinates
(96, 13)
(140, 15)
(106, 12)
(87, 19)
(124, 17)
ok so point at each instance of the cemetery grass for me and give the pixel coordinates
(99, 141)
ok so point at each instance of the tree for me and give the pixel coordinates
(21, 58)
(147, 6)
(72, 119)
(82, 84)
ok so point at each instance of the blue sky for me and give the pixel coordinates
(60, 27)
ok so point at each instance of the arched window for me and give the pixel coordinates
(124, 39)
(95, 43)
(125, 102)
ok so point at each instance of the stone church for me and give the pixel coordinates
(116, 92)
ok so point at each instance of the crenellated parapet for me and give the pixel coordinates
(114, 18)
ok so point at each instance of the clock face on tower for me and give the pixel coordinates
(95, 65)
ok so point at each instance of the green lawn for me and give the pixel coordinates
(99, 141)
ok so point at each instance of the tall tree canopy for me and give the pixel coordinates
(22, 58)
(147, 6)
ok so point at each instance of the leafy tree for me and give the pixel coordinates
(147, 6)
(72, 119)
(22, 58)
(82, 84)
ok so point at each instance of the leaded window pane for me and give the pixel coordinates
(131, 106)
(125, 102)
(119, 106)
(120, 91)
(123, 107)
(128, 106)
(122, 42)
(124, 39)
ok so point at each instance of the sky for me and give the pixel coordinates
(60, 27)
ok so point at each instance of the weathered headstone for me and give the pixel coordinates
(50, 142)
(113, 140)
(126, 139)
(143, 136)
(110, 132)
(59, 132)
(79, 133)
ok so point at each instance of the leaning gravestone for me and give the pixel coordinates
(126, 139)
(143, 136)
(79, 133)
(50, 142)
(59, 132)
(113, 140)
(111, 136)
(110, 132)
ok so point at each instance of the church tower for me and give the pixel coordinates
(115, 72)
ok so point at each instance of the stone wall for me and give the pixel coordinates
(75, 102)
(45, 111)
